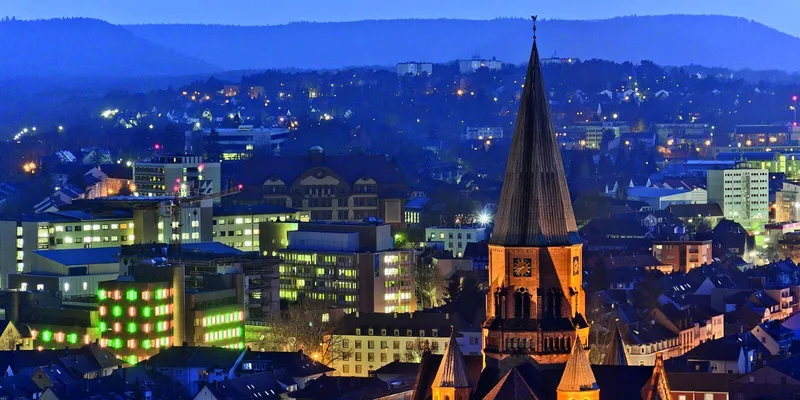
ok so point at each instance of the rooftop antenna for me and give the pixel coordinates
(534, 17)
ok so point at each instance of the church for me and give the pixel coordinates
(536, 333)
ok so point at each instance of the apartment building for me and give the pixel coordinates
(683, 255)
(368, 341)
(455, 239)
(742, 194)
(182, 174)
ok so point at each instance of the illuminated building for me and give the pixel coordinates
(183, 174)
(455, 239)
(742, 194)
(535, 302)
(368, 341)
(349, 266)
(238, 226)
(152, 309)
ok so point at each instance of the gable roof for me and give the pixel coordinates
(255, 386)
(535, 207)
(514, 385)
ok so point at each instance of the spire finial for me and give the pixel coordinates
(534, 17)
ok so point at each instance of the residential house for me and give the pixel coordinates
(294, 369)
(192, 368)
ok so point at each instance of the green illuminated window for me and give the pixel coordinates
(101, 294)
(131, 295)
(117, 311)
(72, 338)
(103, 327)
(146, 344)
(116, 343)
(131, 327)
(132, 359)
(47, 336)
(146, 311)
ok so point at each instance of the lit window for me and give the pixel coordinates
(66, 286)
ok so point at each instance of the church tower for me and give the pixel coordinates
(451, 381)
(535, 303)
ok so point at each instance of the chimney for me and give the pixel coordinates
(17, 347)
(411, 315)
(446, 315)
(358, 314)
(185, 344)
(395, 315)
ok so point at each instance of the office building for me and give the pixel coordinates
(152, 307)
(414, 68)
(185, 175)
(368, 341)
(742, 194)
(455, 239)
(663, 198)
(237, 143)
(331, 188)
(348, 266)
(238, 226)
(683, 256)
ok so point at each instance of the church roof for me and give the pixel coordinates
(535, 207)
(452, 370)
(513, 385)
(578, 375)
(657, 387)
(616, 351)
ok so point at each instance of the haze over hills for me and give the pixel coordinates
(88, 48)
(92, 48)
(714, 41)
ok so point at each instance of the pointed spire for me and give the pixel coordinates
(657, 387)
(578, 375)
(616, 351)
(535, 207)
(452, 371)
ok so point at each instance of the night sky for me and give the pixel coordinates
(779, 14)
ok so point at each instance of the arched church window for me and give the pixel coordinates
(522, 304)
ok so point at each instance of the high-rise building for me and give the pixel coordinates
(536, 303)
(182, 174)
(742, 194)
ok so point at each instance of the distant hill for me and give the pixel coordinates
(86, 47)
(713, 41)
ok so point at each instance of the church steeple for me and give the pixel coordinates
(616, 351)
(452, 381)
(536, 300)
(535, 207)
(578, 380)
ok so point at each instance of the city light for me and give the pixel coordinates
(484, 218)
(29, 167)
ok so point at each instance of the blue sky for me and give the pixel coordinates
(779, 14)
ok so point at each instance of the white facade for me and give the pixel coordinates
(661, 198)
(455, 239)
(483, 133)
(470, 66)
(742, 194)
(416, 69)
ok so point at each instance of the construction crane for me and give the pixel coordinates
(178, 202)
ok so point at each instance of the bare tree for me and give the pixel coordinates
(426, 283)
(307, 326)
